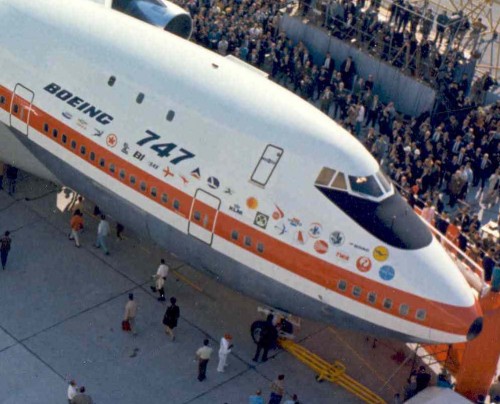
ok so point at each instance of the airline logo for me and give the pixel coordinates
(280, 228)
(386, 272)
(78, 103)
(111, 140)
(196, 173)
(294, 222)
(261, 220)
(278, 213)
(364, 264)
(321, 246)
(337, 238)
(315, 230)
(301, 237)
(236, 209)
(252, 203)
(380, 253)
(342, 256)
(213, 182)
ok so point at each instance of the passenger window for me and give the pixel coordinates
(387, 304)
(170, 115)
(2, 99)
(92, 156)
(140, 98)
(342, 285)
(177, 204)
(266, 165)
(64, 138)
(112, 168)
(16, 108)
(248, 241)
(234, 235)
(73, 144)
(111, 81)
(164, 198)
(325, 176)
(54, 132)
(83, 150)
(122, 174)
(404, 309)
(421, 314)
(372, 297)
(356, 291)
(102, 162)
(339, 182)
(260, 247)
(143, 186)
(132, 180)
(197, 216)
(45, 127)
(154, 193)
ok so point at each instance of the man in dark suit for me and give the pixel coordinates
(348, 71)
(484, 171)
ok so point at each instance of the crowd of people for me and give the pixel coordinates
(412, 37)
(439, 162)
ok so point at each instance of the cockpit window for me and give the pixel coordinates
(339, 182)
(325, 176)
(383, 181)
(365, 185)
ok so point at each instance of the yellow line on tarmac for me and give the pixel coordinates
(187, 281)
(365, 362)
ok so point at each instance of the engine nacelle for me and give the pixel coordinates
(160, 13)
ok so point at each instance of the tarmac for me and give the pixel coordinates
(60, 319)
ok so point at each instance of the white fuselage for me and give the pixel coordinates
(216, 153)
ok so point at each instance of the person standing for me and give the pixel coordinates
(171, 317)
(268, 337)
(277, 390)
(2, 172)
(203, 355)
(131, 312)
(256, 398)
(160, 278)
(76, 224)
(11, 174)
(5, 243)
(423, 379)
(225, 349)
(72, 391)
(103, 230)
(82, 397)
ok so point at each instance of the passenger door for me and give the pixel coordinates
(20, 108)
(203, 216)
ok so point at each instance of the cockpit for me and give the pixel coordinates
(372, 187)
(376, 206)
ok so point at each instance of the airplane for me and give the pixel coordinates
(312, 226)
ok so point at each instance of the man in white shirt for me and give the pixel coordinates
(225, 349)
(103, 230)
(203, 355)
(72, 391)
(360, 118)
(160, 278)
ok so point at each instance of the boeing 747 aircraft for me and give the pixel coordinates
(231, 172)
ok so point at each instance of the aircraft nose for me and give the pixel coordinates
(475, 329)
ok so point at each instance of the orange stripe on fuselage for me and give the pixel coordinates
(440, 316)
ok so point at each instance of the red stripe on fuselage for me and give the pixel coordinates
(440, 316)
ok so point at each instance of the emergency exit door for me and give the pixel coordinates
(203, 216)
(20, 108)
